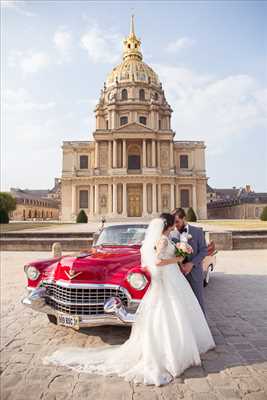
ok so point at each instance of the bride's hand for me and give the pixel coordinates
(179, 259)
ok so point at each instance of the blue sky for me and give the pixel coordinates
(209, 55)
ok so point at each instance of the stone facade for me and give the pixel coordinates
(133, 168)
(242, 203)
(31, 206)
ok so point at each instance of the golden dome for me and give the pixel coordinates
(132, 69)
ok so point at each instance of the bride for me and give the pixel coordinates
(170, 331)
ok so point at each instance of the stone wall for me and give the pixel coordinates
(239, 211)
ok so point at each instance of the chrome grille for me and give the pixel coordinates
(81, 301)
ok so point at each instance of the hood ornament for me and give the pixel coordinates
(72, 274)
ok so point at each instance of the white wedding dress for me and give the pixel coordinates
(168, 336)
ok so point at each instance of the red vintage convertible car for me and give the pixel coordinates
(101, 287)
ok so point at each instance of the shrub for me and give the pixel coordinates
(82, 217)
(191, 215)
(7, 202)
(4, 218)
(264, 214)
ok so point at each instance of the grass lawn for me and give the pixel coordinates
(238, 224)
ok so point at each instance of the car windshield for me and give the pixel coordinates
(121, 236)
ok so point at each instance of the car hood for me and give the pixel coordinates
(101, 265)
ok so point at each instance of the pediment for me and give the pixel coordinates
(134, 127)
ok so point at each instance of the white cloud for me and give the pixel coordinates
(17, 6)
(102, 46)
(179, 44)
(20, 100)
(29, 61)
(213, 109)
(63, 40)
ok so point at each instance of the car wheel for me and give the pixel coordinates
(52, 318)
(207, 276)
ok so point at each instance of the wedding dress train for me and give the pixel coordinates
(168, 336)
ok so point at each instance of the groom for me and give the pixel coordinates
(193, 267)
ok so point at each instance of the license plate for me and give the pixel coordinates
(71, 321)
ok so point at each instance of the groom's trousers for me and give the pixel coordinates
(195, 279)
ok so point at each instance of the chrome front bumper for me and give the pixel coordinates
(115, 313)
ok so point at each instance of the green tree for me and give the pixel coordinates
(7, 202)
(264, 214)
(82, 217)
(191, 215)
(4, 218)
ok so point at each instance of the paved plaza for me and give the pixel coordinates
(237, 369)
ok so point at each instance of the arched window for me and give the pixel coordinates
(142, 120)
(141, 94)
(156, 96)
(123, 121)
(124, 94)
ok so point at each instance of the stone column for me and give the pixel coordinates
(159, 198)
(73, 200)
(153, 153)
(109, 198)
(124, 199)
(171, 154)
(114, 153)
(178, 201)
(96, 199)
(96, 155)
(158, 150)
(91, 200)
(172, 196)
(115, 208)
(194, 198)
(144, 153)
(154, 198)
(124, 158)
(144, 199)
(109, 154)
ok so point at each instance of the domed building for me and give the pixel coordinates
(134, 167)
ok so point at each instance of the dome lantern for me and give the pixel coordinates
(131, 45)
(132, 68)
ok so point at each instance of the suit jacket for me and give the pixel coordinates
(197, 242)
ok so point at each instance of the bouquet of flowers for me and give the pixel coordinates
(183, 249)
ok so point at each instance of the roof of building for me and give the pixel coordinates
(21, 194)
(132, 68)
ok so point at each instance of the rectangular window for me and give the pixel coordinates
(183, 161)
(185, 198)
(159, 124)
(83, 162)
(142, 120)
(83, 199)
(133, 162)
(123, 121)
(106, 124)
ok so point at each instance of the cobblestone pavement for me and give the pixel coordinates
(237, 369)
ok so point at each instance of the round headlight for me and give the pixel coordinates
(137, 280)
(32, 272)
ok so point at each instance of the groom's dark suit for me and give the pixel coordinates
(200, 250)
